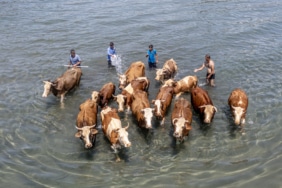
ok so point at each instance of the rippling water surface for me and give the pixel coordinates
(38, 147)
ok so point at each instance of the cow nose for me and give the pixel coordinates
(87, 146)
(128, 145)
(176, 134)
(120, 110)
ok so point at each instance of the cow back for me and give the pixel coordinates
(106, 93)
(87, 114)
(238, 98)
(182, 108)
(200, 97)
(136, 69)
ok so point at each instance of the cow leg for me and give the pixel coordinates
(162, 121)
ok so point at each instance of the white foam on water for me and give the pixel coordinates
(117, 62)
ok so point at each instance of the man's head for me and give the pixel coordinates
(72, 52)
(150, 47)
(111, 44)
(207, 57)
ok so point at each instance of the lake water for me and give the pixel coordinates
(38, 147)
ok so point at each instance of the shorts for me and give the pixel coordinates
(212, 76)
(152, 65)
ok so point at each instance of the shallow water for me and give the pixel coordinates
(37, 134)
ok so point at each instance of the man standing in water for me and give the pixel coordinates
(209, 64)
(111, 52)
(152, 57)
(74, 59)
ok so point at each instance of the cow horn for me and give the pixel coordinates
(92, 126)
(203, 106)
(80, 129)
(215, 108)
(126, 126)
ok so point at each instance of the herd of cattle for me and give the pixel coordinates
(134, 88)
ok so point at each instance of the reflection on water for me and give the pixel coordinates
(39, 148)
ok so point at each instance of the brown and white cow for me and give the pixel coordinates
(168, 71)
(202, 104)
(124, 99)
(106, 93)
(66, 82)
(140, 108)
(181, 119)
(238, 103)
(135, 70)
(112, 129)
(162, 102)
(183, 85)
(86, 121)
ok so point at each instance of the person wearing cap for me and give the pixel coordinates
(111, 52)
(209, 64)
(74, 59)
(152, 57)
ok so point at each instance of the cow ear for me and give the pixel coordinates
(174, 121)
(94, 131)
(153, 101)
(78, 134)
(188, 127)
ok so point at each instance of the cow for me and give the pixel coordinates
(86, 121)
(238, 103)
(183, 85)
(106, 93)
(124, 99)
(202, 104)
(135, 70)
(181, 119)
(66, 82)
(112, 129)
(162, 102)
(140, 108)
(168, 71)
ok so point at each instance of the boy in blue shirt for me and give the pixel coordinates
(152, 57)
(111, 51)
(74, 59)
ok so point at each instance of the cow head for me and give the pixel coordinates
(159, 74)
(180, 128)
(170, 82)
(208, 112)
(47, 88)
(95, 96)
(87, 134)
(121, 100)
(122, 81)
(158, 106)
(148, 115)
(123, 136)
(237, 113)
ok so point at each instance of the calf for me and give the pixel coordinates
(183, 85)
(202, 104)
(113, 130)
(106, 93)
(168, 71)
(86, 121)
(124, 99)
(181, 118)
(140, 108)
(238, 103)
(162, 102)
(63, 84)
(136, 69)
